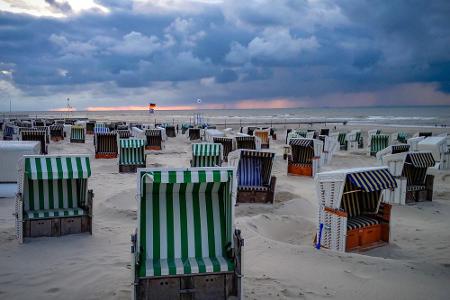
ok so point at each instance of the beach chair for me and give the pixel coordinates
(351, 216)
(45, 129)
(35, 135)
(154, 139)
(248, 142)
(330, 146)
(264, 136)
(402, 137)
(254, 169)
(170, 131)
(324, 131)
(410, 172)
(90, 127)
(194, 134)
(53, 197)
(185, 127)
(131, 155)
(210, 134)
(207, 155)
(306, 157)
(77, 134)
(185, 246)
(10, 132)
(438, 147)
(106, 145)
(378, 142)
(227, 145)
(392, 149)
(56, 132)
(354, 140)
(123, 133)
(343, 143)
(414, 143)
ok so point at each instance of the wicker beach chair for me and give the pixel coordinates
(185, 246)
(378, 142)
(131, 155)
(57, 132)
(351, 216)
(207, 155)
(255, 181)
(35, 135)
(194, 134)
(106, 145)
(264, 136)
(343, 143)
(410, 172)
(154, 139)
(248, 142)
(77, 134)
(170, 131)
(438, 146)
(53, 197)
(306, 156)
(227, 145)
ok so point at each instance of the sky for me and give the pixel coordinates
(123, 54)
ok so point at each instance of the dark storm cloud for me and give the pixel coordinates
(284, 49)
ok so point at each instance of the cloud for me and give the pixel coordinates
(63, 7)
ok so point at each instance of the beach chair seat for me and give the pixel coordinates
(254, 169)
(351, 215)
(53, 197)
(207, 155)
(248, 142)
(184, 245)
(264, 136)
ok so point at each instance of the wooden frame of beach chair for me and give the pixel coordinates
(154, 139)
(437, 145)
(351, 216)
(53, 197)
(227, 145)
(106, 145)
(305, 158)
(184, 246)
(194, 134)
(56, 132)
(207, 155)
(248, 142)
(131, 155)
(35, 135)
(264, 136)
(377, 143)
(254, 173)
(413, 182)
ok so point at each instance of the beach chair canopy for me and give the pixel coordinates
(400, 148)
(54, 185)
(437, 145)
(415, 168)
(302, 150)
(131, 152)
(101, 129)
(185, 219)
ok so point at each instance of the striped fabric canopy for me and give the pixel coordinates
(131, 143)
(421, 159)
(56, 167)
(301, 142)
(206, 149)
(101, 130)
(400, 148)
(373, 180)
(187, 176)
(153, 132)
(255, 153)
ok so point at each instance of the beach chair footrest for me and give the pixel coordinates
(105, 155)
(300, 169)
(56, 226)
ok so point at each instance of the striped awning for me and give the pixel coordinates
(255, 153)
(65, 167)
(373, 180)
(206, 149)
(301, 142)
(187, 176)
(101, 130)
(422, 159)
(131, 143)
(153, 132)
(400, 148)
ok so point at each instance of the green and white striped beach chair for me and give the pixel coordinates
(378, 142)
(77, 134)
(207, 155)
(131, 155)
(185, 246)
(53, 197)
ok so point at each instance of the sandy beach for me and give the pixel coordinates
(280, 261)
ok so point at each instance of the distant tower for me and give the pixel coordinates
(68, 107)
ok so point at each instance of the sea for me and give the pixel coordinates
(395, 116)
